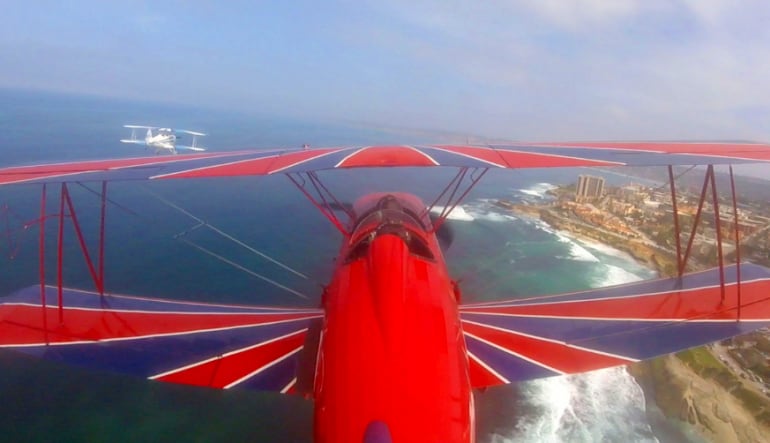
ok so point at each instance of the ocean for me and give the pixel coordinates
(495, 255)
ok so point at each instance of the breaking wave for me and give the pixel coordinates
(614, 275)
(603, 405)
(484, 210)
(458, 213)
(607, 250)
(577, 252)
(538, 190)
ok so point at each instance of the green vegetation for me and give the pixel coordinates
(700, 360)
(755, 403)
(751, 358)
(703, 362)
(762, 343)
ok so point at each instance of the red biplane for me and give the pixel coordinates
(392, 353)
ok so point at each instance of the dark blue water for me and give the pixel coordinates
(495, 255)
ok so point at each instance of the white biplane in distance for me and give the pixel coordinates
(163, 140)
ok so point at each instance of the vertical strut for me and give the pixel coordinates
(60, 254)
(460, 174)
(42, 263)
(445, 213)
(81, 240)
(676, 221)
(324, 209)
(446, 210)
(695, 223)
(737, 242)
(718, 227)
(101, 238)
(317, 180)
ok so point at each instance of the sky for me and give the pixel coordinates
(524, 70)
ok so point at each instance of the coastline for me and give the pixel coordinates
(682, 403)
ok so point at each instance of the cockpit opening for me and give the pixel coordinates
(389, 217)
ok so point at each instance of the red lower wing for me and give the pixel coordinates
(523, 339)
(219, 346)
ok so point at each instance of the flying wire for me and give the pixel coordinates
(237, 266)
(227, 236)
(203, 223)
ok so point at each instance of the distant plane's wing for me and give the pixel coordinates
(524, 339)
(532, 155)
(190, 148)
(218, 346)
(133, 141)
(139, 127)
(185, 131)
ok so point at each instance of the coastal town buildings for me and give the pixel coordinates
(639, 220)
(589, 187)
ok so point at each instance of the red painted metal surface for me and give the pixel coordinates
(683, 263)
(238, 366)
(737, 239)
(754, 151)
(60, 255)
(260, 166)
(92, 324)
(392, 349)
(718, 229)
(81, 240)
(101, 237)
(672, 184)
(387, 156)
(41, 258)
(30, 173)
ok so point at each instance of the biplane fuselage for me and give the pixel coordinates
(392, 362)
(164, 139)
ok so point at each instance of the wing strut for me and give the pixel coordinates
(702, 198)
(709, 179)
(718, 227)
(450, 205)
(676, 220)
(42, 263)
(321, 203)
(96, 271)
(737, 241)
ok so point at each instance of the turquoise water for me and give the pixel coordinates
(495, 255)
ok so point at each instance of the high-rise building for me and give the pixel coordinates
(589, 187)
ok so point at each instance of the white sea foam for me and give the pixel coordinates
(603, 405)
(543, 226)
(614, 275)
(607, 250)
(538, 190)
(484, 213)
(580, 253)
(458, 213)
(577, 252)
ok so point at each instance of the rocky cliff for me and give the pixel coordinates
(681, 393)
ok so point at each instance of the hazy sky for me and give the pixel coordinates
(529, 69)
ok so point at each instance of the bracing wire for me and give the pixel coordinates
(237, 266)
(203, 223)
